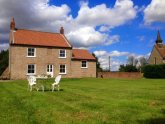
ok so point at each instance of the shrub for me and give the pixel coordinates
(154, 71)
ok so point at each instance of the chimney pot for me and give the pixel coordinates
(62, 30)
(12, 24)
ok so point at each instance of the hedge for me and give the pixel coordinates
(154, 71)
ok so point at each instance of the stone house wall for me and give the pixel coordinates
(79, 72)
(46, 55)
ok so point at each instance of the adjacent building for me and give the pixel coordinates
(158, 52)
(45, 53)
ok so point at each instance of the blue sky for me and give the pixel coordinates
(116, 28)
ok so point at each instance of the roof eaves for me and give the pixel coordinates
(83, 59)
(16, 44)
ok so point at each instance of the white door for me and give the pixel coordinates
(50, 70)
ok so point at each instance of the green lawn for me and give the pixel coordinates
(87, 101)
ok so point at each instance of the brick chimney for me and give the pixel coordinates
(62, 30)
(12, 24)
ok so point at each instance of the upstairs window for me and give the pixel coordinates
(84, 64)
(31, 52)
(62, 54)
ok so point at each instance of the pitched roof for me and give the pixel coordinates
(38, 38)
(80, 54)
(161, 49)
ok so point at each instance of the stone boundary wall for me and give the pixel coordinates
(126, 75)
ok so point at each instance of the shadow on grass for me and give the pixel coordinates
(49, 90)
(154, 120)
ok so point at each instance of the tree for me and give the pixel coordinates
(135, 62)
(128, 68)
(131, 65)
(142, 61)
(4, 57)
(122, 68)
(98, 67)
(130, 60)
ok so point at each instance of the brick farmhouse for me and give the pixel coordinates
(158, 52)
(44, 53)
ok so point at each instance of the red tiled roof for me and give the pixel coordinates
(80, 54)
(29, 37)
(161, 50)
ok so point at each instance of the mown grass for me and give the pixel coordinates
(85, 101)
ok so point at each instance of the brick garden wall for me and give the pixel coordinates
(127, 75)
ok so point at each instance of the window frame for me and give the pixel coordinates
(28, 52)
(60, 69)
(61, 53)
(28, 69)
(82, 64)
(155, 60)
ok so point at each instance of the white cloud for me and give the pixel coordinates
(116, 58)
(86, 36)
(81, 30)
(155, 12)
(103, 58)
(104, 28)
(117, 53)
(148, 54)
(141, 38)
(112, 39)
(100, 53)
(114, 53)
(32, 14)
(122, 12)
(4, 46)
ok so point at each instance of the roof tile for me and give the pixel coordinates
(29, 37)
(80, 54)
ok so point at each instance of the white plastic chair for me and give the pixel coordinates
(31, 82)
(56, 83)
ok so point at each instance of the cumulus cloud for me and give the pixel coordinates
(103, 58)
(86, 36)
(116, 58)
(32, 14)
(117, 53)
(122, 12)
(81, 30)
(155, 12)
(112, 39)
(104, 28)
